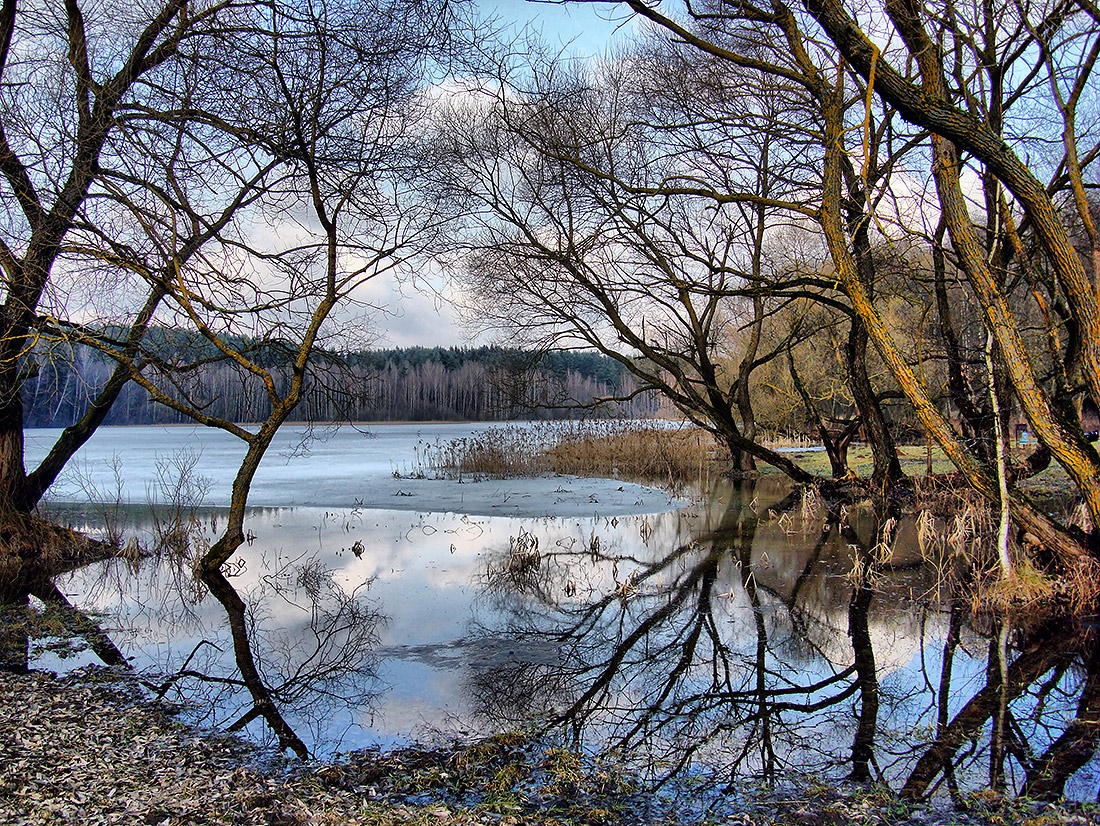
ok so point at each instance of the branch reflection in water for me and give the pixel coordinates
(787, 638)
(765, 636)
(315, 658)
(281, 651)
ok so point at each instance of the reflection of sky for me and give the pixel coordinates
(452, 651)
(422, 572)
(425, 574)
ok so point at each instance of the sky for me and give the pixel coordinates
(581, 29)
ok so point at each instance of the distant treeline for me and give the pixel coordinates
(407, 384)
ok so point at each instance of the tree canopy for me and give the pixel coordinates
(706, 204)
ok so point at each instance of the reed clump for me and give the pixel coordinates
(636, 451)
(643, 451)
(961, 544)
(498, 452)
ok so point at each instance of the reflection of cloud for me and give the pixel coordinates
(448, 644)
(421, 701)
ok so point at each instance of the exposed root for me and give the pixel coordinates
(34, 551)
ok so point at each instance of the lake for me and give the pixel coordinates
(751, 632)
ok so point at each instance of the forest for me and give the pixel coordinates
(409, 384)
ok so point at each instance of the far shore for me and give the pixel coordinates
(304, 423)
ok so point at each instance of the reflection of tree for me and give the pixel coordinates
(657, 664)
(263, 701)
(869, 557)
(1047, 775)
(714, 657)
(301, 648)
(1051, 653)
(866, 679)
(17, 629)
(302, 674)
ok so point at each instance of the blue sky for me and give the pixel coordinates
(581, 29)
(584, 29)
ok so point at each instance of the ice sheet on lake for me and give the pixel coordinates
(331, 467)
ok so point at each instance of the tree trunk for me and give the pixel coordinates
(746, 462)
(13, 474)
(887, 469)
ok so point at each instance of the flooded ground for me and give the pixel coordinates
(753, 634)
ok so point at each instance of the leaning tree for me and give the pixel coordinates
(230, 170)
(998, 93)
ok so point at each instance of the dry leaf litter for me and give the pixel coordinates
(84, 749)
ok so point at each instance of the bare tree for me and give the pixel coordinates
(595, 223)
(968, 82)
(233, 171)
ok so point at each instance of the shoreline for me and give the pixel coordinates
(90, 748)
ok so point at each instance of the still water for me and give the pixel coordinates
(753, 633)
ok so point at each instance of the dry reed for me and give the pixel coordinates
(1024, 588)
(956, 532)
(629, 450)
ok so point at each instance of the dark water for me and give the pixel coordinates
(759, 636)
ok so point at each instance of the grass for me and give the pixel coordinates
(662, 453)
(506, 775)
(1051, 484)
(1024, 588)
(642, 451)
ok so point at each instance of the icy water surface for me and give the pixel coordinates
(327, 467)
(756, 633)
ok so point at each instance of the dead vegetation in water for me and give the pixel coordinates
(957, 534)
(641, 451)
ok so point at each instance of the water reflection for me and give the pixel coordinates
(273, 645)
(307, 673)
(763, 636)
(777, 642)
